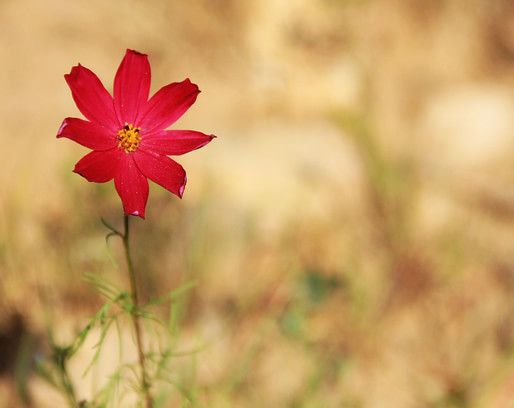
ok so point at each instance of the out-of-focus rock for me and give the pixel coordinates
(286, 171)
(468, 128)
(298, 65)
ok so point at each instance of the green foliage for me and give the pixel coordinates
(119, 305)
(318, 287)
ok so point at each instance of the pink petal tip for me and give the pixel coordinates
(182, 188)
(61, 128)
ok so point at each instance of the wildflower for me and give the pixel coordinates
(127, 132)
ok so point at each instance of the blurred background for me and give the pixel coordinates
(350, 232)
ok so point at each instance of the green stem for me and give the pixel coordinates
(67, 384)
(135, 314)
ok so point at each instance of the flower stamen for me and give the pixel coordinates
(129, 138)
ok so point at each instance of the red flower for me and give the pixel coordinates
(127, 133)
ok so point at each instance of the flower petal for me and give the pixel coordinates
(132, 186)
(91, 97)
(131, 86)
(162, 170)
(175, 142)
(99, 166)
(167, 105)
(87, 134)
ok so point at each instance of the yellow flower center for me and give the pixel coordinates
(129, 138)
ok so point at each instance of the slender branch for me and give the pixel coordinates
(110, 227)
(112, 234)
(135, 312)
(61, 358)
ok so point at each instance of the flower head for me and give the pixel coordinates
(127, 131)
